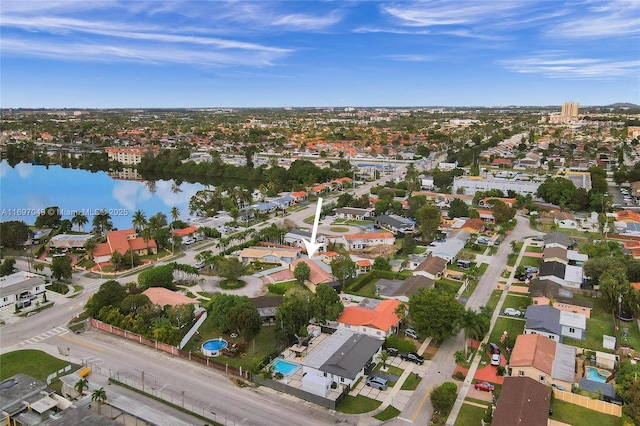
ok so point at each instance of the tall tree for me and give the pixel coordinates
(475, 326)
(343, 268)
(326, 304)
(111, 293)
(80, 220)
(435, 313)
(231, 268)
(458, 208)
(102, 221)
(245, 320)
(302, 272)
(14, 233)
(429, 218)
(7, 266)
(443, 397)
(61, 268)
(139, 220)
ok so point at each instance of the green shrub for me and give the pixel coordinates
(401, 344)
(458, 375)
(278, 288)
(58, 288)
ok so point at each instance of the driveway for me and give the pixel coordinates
(254, 286)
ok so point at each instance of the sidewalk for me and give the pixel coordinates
(466, 385)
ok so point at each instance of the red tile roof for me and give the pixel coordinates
(533, 350)
(163, 296)
(369, 236)
(185, 231)
(318, 275)
(382, 317)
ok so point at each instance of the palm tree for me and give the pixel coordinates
(81, 385)
(384, 357)
(99, 395)
(80, 220)
(175, 213)
(474, 325)
(401, 312)
(102, 221)
(139, 220)
(90, 248)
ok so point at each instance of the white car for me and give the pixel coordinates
(495, 359)
(512, 312)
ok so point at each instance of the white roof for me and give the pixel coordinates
(574, 255)
(572, 319)
(573, 274)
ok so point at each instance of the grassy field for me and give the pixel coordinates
(515, 301)
(390, 370)
(494, 299)
(531, 261)
(470, 415)
(341, 229)
(600, 323)
(36, 364)
(451, 286)
(533, 249)
(580, 416)
(411, 382)
(357, 405)
(513, 327)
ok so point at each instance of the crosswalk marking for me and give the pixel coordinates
(58, 331)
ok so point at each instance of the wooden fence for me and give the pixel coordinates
(166, 348)
(592, 404)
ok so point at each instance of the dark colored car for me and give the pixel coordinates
(484, 386)
(413, 357)
(392, 351)
(495, 349)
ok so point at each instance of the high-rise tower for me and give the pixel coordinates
(569, 109)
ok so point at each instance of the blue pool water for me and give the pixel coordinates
(215, 345)
(285, 367)
(594, 374)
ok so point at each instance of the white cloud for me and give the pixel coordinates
(410, 58)
(602, 20)
(553, 66)
(440, 13)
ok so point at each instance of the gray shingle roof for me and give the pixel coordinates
(543, 317)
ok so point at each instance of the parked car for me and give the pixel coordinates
(392, 351)
(512, 312)
(495, 349)
(413, 357)
(496, 242)
(495, 359)
(199, 265)
(484, 386)
(377, 382)
(531, 269)
(410, 332)
(538, 238)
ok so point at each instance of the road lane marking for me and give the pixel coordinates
(81, 343)
(424, 399)
(43, 336)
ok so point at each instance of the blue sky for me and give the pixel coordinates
(128, 54)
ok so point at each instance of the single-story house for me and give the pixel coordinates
(432, 267)
(320, 271)
(543, 360)
(414, 260)
(20, 285)
(554, 323)
(449, 248)
(395, 223)
(341, 358)
(284, 201)
(564, 220)
(555, 254)
(567, 275)
(122, 241)
(523, 401)
(69, 241)
(296, 237)
(547, 292)
(374, 317)
(269, 254)
(557, 239)
(363, 241)
(267, 307)
(411, 285)
(299, 196)
(362, 265)
(352, 213)
(163, 296)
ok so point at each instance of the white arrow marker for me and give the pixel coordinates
(311, 245)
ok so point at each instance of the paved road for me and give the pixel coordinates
(419, 409)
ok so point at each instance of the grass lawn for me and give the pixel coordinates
(338, 229)
(515, 301)
(419, 250)
(357, 405)
(513, 327)
(449, 285)
(36, 364)
(531, 261)
(264, 345)
(368, 290)
(596, 327)
(511, 259)
(390, 370)
(482, 268)
(494, 299)
(411, 382)
(634, 333)
(580, 416)
(388, 413)
(534, 249)
(469, 415)
(358, 222)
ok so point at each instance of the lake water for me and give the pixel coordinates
(26, 190)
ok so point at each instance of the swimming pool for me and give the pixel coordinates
(597, 375)
(285, 367)
(214, 346)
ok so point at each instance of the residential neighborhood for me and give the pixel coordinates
(447, 273)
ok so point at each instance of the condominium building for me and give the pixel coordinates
(129, 155)
(569, 109)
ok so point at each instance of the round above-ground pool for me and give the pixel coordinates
(214, 346)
